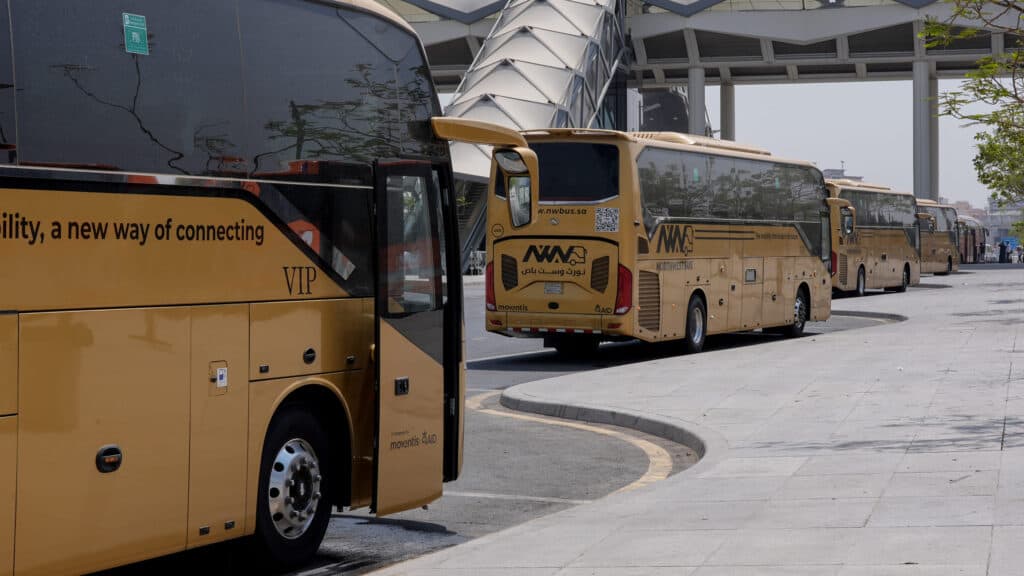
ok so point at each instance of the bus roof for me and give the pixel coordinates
(379, 10)
(673, 138)
(847, 183)
(969, 220)
(932, 203)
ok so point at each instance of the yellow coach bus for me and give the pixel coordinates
(875, 237)
(653, 236)
(230, 295)
(940, 239)
(972, 235)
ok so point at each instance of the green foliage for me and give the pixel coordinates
(991, 96)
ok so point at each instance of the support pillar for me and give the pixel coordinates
(695, 99)
(933, 133)
(922, 131)
(727, 111)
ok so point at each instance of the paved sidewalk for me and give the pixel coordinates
(891, 450)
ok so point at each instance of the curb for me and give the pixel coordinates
(709, 446)
(874, 315)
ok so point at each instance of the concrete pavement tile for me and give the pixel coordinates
(553, 546)
(785, 547)
(834, 486)
(620, 571)
(1009, 512)
(921, 546)
(742, 467)
(697, 516)
(950, 461)
(1007, 557)
(934, 511)
(815, 513)
(948, 484)
(653, 548)
(819, 570)
(725, 489)
(399, 570)
(913, 570)
(851, 463)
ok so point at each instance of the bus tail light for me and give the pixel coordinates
(489, 287)
(833, 263)
(624, 295)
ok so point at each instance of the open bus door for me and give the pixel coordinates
(410, 342)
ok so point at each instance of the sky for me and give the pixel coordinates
(867, 125)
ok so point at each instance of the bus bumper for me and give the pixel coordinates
(533, 325)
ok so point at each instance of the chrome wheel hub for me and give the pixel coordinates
(294, 489)
(799, 310)
(698, 329)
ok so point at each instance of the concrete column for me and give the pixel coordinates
(695, 97)
(728, 111)
(933, 133)
(922, 131)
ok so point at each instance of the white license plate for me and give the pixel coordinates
(552, 287)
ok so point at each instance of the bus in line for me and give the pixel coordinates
(876, 238)
(940, 242)
(231, 296)
(653, 236)
(973, 236)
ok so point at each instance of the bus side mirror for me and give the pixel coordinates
(518, 166)
(849, 219)
(927, 219)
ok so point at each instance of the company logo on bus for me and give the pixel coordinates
(546, 253)
(675, 238)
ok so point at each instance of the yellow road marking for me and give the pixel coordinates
(659, 460)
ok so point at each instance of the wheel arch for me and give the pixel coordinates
(325, 400)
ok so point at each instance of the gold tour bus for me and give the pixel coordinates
(230, 295)
(972, 235)
(652, 236)
(875, 237)
(940, 252)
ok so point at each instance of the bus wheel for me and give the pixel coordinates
(696, 325)
(861, 281)
(293, 508)
(801, 311)
(905, 281)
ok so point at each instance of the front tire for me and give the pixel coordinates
(696, 325)
(293, 507)
(861, 281)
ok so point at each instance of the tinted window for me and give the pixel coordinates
(945, 218)
(678, 184)
(577, 172)
(8, 138)
(881, 209)
(323, 83)
(83, 99)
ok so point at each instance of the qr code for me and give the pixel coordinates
(606, 220)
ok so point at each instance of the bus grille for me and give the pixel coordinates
(509, 272)
(599, 274)
(650, 301)
(842, 269)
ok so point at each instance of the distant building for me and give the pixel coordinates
(839, 173)
(1001, 220)
(966, 209)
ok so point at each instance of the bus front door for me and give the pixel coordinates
(410, 338)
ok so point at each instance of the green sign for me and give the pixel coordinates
(136, 40)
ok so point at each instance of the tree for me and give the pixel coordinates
(997, 84)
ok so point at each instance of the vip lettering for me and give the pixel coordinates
(546, 253)
(299, 279)
(14, 226)
(675, 239)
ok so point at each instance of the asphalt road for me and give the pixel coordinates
(516, 468)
